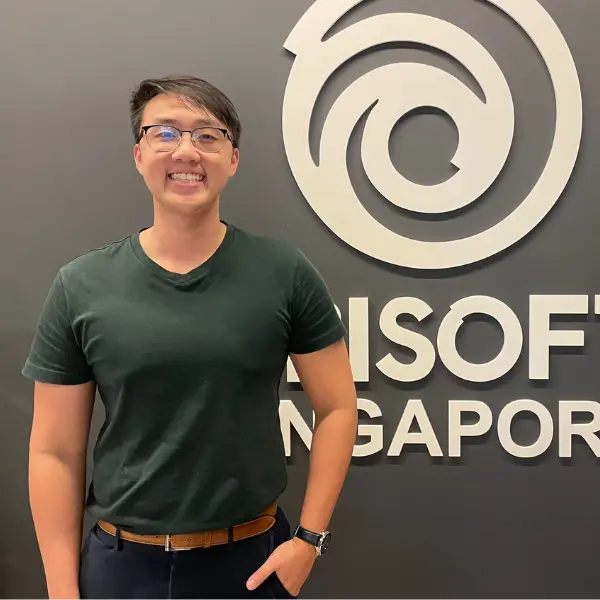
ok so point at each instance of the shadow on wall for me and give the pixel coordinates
(3, 579)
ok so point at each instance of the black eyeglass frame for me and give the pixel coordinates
(144, 131)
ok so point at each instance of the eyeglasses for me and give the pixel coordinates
(165, 138)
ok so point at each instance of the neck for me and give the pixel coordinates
(182, 241)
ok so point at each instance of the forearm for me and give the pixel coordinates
(57, 496)
(330, 456)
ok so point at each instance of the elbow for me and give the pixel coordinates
(345, 415)
(40, 447)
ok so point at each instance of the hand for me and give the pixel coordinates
(292, 562)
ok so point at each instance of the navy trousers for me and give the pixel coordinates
(115, 568)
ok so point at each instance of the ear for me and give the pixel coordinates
(235, 161)
(137, 156)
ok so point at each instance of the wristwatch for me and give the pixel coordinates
(319, 540)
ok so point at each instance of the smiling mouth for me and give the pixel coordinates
(187, 177)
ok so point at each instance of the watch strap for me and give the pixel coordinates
(308, 536)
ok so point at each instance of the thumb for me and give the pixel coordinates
(261, 574)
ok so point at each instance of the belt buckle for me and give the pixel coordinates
(169, 545)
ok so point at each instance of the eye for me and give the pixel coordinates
(166, 135)
(208, 136)
(162, 133)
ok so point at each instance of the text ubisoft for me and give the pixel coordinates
(541, 338)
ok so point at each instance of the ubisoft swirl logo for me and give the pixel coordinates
(485, 128)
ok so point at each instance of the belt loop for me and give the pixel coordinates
(118, 543)
(230, 538)
(208, 539)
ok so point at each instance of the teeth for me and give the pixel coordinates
(186, 176)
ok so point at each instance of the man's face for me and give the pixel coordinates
(164, 172)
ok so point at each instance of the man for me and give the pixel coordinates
(184, 329)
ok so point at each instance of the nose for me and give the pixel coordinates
(186, 149)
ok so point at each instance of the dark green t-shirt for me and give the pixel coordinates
(188, 368)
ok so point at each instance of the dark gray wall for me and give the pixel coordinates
(487, 525)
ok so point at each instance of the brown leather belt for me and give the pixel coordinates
(202, 539)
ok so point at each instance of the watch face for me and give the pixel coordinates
(325, 541)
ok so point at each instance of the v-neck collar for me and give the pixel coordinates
(196, 274)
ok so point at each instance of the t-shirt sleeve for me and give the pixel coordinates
(55, 355)
(315, 323)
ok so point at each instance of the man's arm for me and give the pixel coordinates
(327, 379)
(57, 476)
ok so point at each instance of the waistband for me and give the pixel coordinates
(200, 539)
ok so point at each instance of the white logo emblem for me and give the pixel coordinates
(485, 128)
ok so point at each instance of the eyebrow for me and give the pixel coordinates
(198, 123)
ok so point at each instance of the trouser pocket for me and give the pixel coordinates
(277, 535)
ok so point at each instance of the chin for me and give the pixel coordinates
(188, 202)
